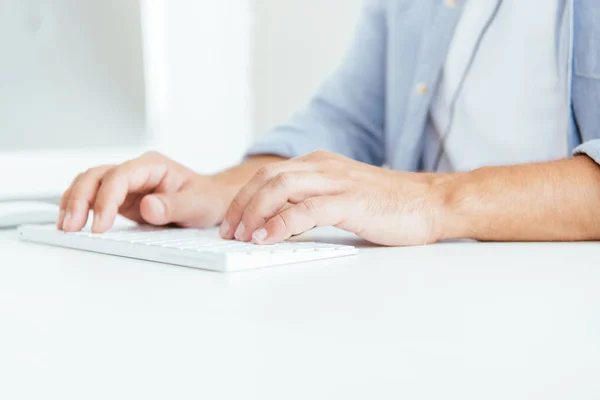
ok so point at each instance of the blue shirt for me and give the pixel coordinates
(374, 108)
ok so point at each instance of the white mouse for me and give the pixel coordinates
(14, 213)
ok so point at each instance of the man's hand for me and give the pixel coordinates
(152, 189)
(382, 206)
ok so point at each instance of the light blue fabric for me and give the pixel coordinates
(371, 108)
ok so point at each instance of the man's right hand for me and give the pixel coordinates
(152, 189)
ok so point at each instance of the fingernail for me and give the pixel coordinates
(224, 231)
(61, 219)
(260, 234)
(239, 232)
(67, 220)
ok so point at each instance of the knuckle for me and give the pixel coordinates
(283, 179)
(252, 209)
(235, 207)
(91, 175)
(281, 221)
(109, 176)
(90, 171)
(320, 154)
(95, 171)
(264, 173)
(77, 189)
(79, 177)
(311, 204)
(128, 165)
(152, 154)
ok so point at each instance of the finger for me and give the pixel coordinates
(310, 213)
(63, 207)
(78, 199)
(185, 208)
(234, 214)
(292, 187)
(138, 176)
(131, 207)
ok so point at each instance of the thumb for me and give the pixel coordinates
(184, 208)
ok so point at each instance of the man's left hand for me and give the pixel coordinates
(323, 189)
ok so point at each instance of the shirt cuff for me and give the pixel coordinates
(591, 149)
(271, 146)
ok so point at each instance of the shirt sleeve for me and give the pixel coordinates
(347, 114)
(591, 149)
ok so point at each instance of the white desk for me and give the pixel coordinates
(451, 321)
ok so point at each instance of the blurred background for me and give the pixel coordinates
(296, 43)
(88, 82)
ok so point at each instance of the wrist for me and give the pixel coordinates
(457, 198)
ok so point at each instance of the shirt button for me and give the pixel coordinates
(422, 88)
(450, 3)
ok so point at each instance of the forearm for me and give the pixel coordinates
(555, 201)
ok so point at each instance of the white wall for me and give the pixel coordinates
(197, 86)
(297, 43)
(207, 118)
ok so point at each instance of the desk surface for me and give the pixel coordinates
(455, 320)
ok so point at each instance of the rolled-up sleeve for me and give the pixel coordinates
(591, 149)
(347, 115)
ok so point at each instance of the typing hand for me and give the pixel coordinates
(150, 189)
(382, 206)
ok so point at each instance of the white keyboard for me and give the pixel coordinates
(186, 247)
